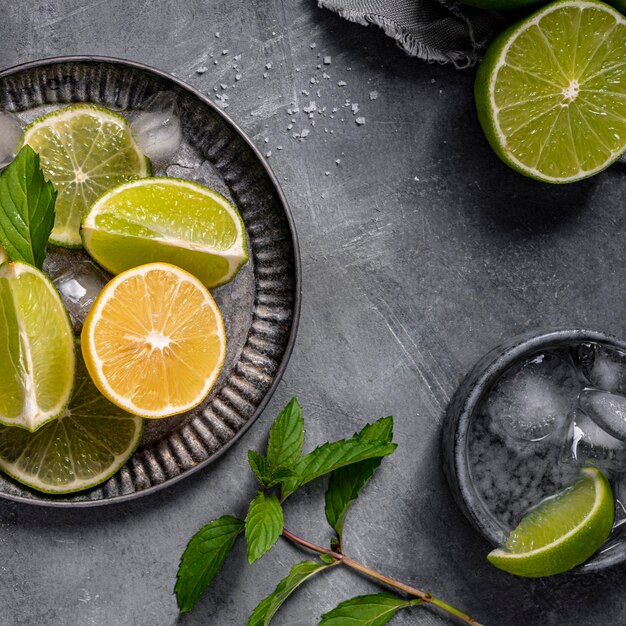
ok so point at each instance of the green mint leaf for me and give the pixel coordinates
(204, 556)
(286, 436)
(26, 209)
(259, 465)
(345, 483)
(332, 456)
(268, 476)
(299, 573)
(264, 524)
(371, 610)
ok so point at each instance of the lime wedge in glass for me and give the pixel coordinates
(82, 448)
(562, 532)
(551, 91)
(85, 150)
(167, 220)
(36, 348)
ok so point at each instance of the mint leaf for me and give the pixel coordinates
(286, 436)
(204, 556)
(26, 209)
(371, 610)
(259, 465)
(345, 483)
(299, 573)
(332, 456)
(264, 524)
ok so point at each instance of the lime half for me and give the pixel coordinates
(85, 150)
(81, 449)
(36, 348)
(551, 91)
(167, 220)
(562, 532)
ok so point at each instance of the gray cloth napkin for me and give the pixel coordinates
(433, 30)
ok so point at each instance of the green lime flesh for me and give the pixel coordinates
(85, 150)
(79, 450)
(37, 360)
(167, 220)
(551, 89)
(562, 532)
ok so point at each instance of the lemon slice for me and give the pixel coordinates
(85, 150)
(37, 359)
(551, 89)
(562, 532)
(169, 220)
(154, 341)
(81, 449)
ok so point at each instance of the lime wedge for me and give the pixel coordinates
(81, 449)
(551, 90)
(562, 532)
(167, 220)
(85, 150)
(36, 348)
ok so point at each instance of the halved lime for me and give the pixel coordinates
(85, 150)
(83, 448)
(167, 220)
(551, 91)
(562, 532)
(36, 348)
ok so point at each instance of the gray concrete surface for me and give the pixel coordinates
(420, 252)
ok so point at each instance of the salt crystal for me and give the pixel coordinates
(360, 121)
(313, 46)
(305, 93)
(268, 154)
(268, 66)
(328, 60)
(373, 95)
(342, 83)
(217, 35)
(202, 70)
(224, 52)
(326, 173)
(237, 76)
(312, 107)
(337, 161)
(305, 133)
(355, 108)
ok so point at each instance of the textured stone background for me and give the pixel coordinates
(420, 252)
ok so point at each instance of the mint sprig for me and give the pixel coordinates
(351, 463)
(26, 209)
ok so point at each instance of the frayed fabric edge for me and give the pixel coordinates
(408, 42)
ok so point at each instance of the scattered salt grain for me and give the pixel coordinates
(373, 95)
(342, 83)
(328, 60)
(360, 121)
(202, 70)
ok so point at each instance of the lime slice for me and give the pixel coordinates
(36, 348)
(168, 220)
(81, 449)
(85, 150)
(551, 91)
(562, 532)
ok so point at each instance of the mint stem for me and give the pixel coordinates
(427, 598)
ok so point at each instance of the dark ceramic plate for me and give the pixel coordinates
(260, 306)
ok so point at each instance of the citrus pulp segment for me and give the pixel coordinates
(551, 89)
(37, 359)
(84, 150)
(562, 532)
(154, 341)
(81, 449)
(168, 220)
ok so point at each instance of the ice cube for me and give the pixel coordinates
(79, 287)
(603, 366)
(10, 133)
(157, 126)
(607, 410)
(587, 443)
(533, 398)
